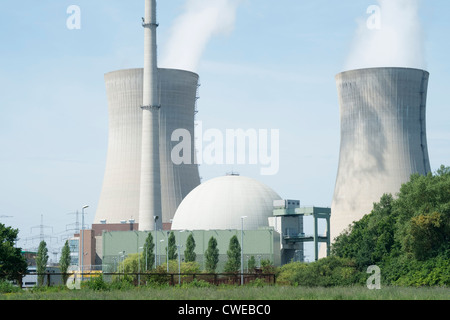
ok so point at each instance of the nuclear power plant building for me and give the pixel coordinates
(119, 199)
(383, 138)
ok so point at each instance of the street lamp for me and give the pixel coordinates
(179, 257)
(121, 254)
(82, 240)
(156, 239)
(159, 256)
(242, 249)
(139, 266)
(167, 246)
(167, 250)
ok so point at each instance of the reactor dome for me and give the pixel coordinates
(219, 204)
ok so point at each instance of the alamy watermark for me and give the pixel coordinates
(73, 282)
(374, 21)
(73, 22)
(374, 281)
(232, 147)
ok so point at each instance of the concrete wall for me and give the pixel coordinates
(383, 138)
(89, 248)
(119, 198)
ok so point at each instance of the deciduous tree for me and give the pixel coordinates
(13, 265)
(64, 261)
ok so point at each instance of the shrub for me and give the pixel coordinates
(96, 284)
(328, 272)
(197, 284)
(287, 274)
(7, 287)
(258, 282)
(122, 283)
(159, 278)
(267, 267)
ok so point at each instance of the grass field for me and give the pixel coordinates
(235, 293)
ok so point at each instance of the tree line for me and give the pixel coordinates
(13, 265)
(407, 237)
(145, 260)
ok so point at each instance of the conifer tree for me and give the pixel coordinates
(234, 256)
(211, 256)
(172, 247)
(189, 254)
(147, 255)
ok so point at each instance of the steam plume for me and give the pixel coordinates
(398, 41)
(201, 20)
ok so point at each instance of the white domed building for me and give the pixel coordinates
(219, 204)
(271, 230)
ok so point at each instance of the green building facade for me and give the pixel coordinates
(263, 244)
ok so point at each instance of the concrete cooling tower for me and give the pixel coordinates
(120, 195)
(383, 138)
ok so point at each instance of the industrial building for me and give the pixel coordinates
(383, 138)
(145, 191)
(119, 199)
(383, 142)
(271, 228)
(261, 244)
(280, 238)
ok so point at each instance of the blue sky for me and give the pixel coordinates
(274, 70)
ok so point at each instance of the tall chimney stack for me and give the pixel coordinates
(150, 186)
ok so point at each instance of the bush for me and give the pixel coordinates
(287, 274)
(96, 284)
(122, 283)
(258, 282)
(196, 284)
(328, 272)
(7, 287)
(432, 272)
(158, 279)
(267, 267)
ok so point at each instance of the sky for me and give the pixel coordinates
(263, 65)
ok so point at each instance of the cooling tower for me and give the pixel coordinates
(383, 138)
(120, 195)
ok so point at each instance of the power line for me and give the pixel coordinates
(42, 235)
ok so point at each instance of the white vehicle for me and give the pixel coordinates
(30, 280)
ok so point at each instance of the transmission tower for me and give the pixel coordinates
(42, 235)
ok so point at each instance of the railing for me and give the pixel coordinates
(147, 278)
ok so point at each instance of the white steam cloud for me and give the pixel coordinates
(201, 20)
(390, 36)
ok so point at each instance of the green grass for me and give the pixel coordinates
(235, 293)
